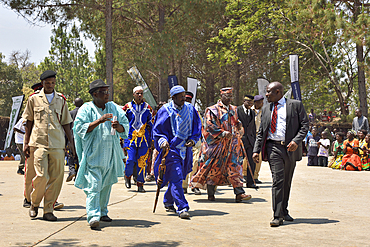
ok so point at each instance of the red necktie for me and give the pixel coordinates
(274, 117)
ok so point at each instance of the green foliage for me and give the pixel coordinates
(10, 85)
(70, 59)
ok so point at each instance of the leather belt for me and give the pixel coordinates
(277, 142)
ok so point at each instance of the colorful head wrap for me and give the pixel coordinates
(176, 89)
(137, 89)
(226, 90)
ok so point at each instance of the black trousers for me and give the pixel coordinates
(282, 168)
(249, 151)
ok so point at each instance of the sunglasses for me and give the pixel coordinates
(103, 92)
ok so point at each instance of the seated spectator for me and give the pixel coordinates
(351, 161)
(9, 155)
(364, 152)
(338, 151)
(325, 117)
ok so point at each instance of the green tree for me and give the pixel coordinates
(70, 59)
(10, 85)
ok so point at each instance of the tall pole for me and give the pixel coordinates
(108, 46)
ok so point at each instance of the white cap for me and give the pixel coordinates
(137, 88)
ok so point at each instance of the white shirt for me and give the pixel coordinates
(50, 97)
(279, 134)
(246, 110)
(21, 125)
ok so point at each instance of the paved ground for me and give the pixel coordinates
(330, 207)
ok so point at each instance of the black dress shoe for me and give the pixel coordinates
(276, 222)
(127, 182)
(211, 198)
(26, 204)
(105, 218)
(33, 211)
(49, 217)
(94, 224)
(257, 181)
(288, 218)
(20, 171)
(196, 191)
(185, 190)
(170, 209)
(141, 189)
(252, 186)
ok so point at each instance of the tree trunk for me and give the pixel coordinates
(163, 88)
(180, 71)
(108, 46)
(361, 79)
(360, 65)
(237, 84)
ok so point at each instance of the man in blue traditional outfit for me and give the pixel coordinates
(139, 114)
(177, 128)
(98, 149)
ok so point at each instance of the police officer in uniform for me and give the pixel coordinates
(47, 116)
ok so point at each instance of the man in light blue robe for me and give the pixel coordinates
(99, 151)
(177, 128)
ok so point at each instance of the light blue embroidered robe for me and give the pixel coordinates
(99, 153)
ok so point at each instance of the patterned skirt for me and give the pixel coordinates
(365, 162)
(337, 164)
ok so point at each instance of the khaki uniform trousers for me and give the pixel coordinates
(185, 182)
(258, 166)
(256, 171)
(30, 173)
(49, 168)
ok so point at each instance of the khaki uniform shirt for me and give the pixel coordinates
(47, 131)
(257, 118)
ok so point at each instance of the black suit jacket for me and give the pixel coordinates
(296, 127)
(249, 126)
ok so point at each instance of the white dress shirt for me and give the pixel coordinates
(279, 134)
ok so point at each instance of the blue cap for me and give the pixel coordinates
(176, 89)
(258, 97)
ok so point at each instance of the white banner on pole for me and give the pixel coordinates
(136, 76)
(16, 107)
(192, 87)
(293, 68)
(262, 84)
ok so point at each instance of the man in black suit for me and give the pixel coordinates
(283, 127)
(73, 161)
(247, 117)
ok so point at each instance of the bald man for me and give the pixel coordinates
(284, 125)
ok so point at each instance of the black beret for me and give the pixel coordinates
(248, 97)
(96, 84)
(47, 74)
(37, 86)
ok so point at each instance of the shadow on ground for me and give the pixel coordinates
(205, 212)
(229, 200)
(128, 223)
(71, 208)
(57, 242)
(313, 221)
(157, 244)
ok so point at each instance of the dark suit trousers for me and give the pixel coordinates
(282, 169)
(249, 151)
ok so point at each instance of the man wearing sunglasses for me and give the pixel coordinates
(99, 151)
